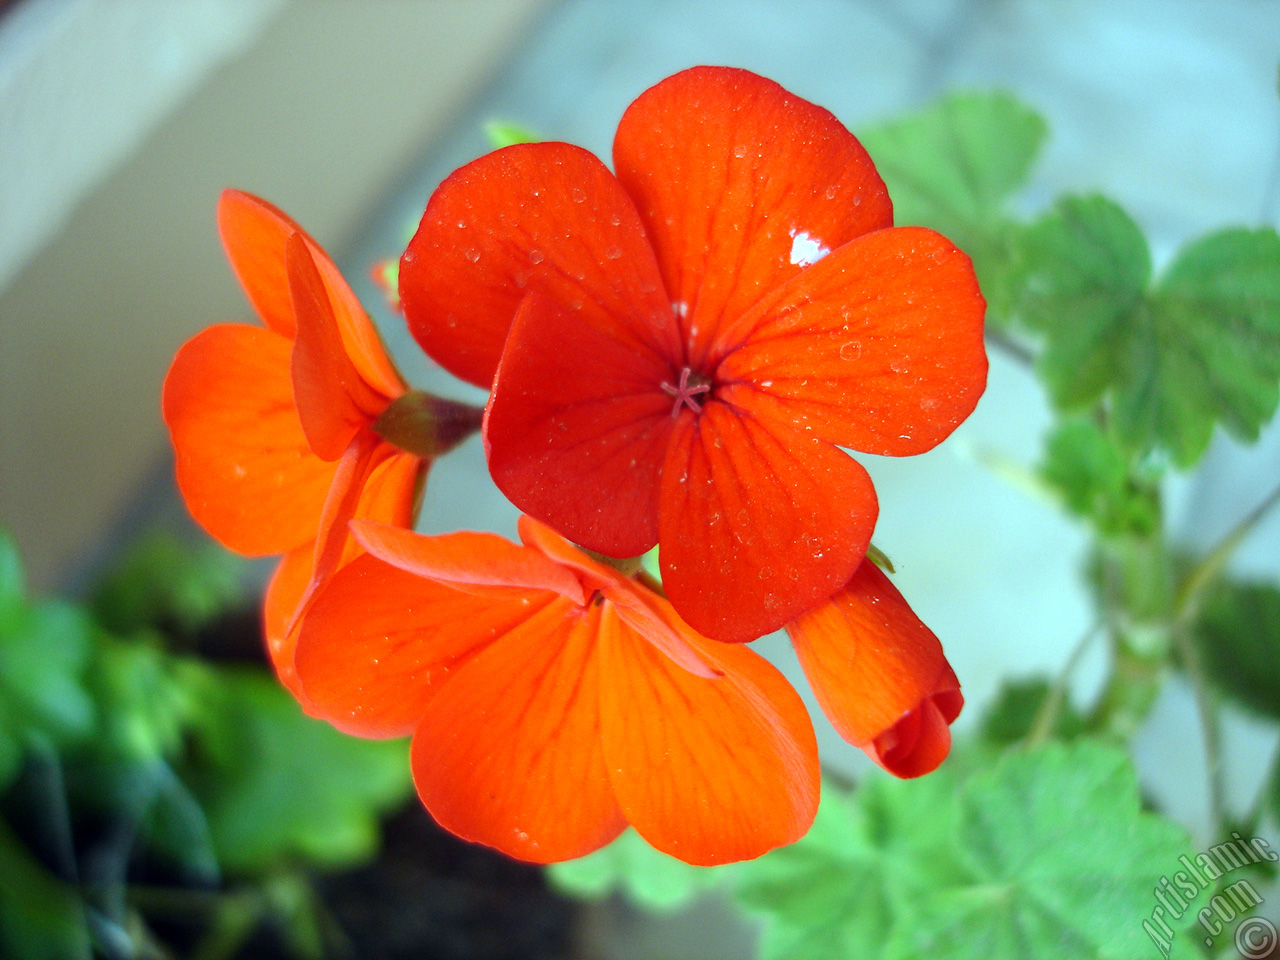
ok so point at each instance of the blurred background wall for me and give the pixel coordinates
(120, 120)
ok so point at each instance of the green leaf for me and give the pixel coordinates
(1200, 349)
(953, 167)
(1064, 863)
(1215, 355)
(1043, 854)
(166, 582)
(277, 785)
(1096, 481)
(1017, 707)
(44, 650)
(1239, 633)
(502, 134)
(41, 918)
(147, 698)
(1087, 268)
(650, 879)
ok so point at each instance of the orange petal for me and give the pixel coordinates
(758, 521)
(243, 464)
(254, 234)
(333, 400)
(509, 752)
(388, 497)
(740, 184)
(878, 347)
(284, 592)
(576, 411)
(467, 560)
(879, 673)
(535, 216)
(378, 643)
(709, 771)
(644, 611)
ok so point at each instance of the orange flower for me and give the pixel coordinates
(553, 701)
(284, 433)
(880, 674)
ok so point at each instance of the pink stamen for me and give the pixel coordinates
(685, 393)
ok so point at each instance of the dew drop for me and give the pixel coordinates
(740, 150)
(613, 253)
(766, 573)
(472, 254)
(536, 256)
(579, 195)
(831, 192)
(851, 350)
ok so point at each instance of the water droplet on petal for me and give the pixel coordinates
(613, 253)
(472, 254)
(740, 150)
(536, 256)
(851, 350)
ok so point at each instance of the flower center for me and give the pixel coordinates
(686, 392)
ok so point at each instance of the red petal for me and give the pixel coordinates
(243, 464)
(465, 560)
(740, 184)
(509, 752)
(878, 347)
(378, 643)
(544, 216)
(254, 234)
(758, 522)
(921, 740)
(709, 771)
(577, 427)
(879, 673)
(333, 400)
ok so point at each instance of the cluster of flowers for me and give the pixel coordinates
(675, 352)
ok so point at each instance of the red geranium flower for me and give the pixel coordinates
(553, 701)
(284, 433)
(680, 350)
(879, 674)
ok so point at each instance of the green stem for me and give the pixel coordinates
(1051, 709)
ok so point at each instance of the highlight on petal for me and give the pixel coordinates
(334, 402)
(254, 234)
(577, 426)
(536, 216)
(878, 348)
(879, 674)
(509, 752)
(758, 522)
(741, 185)
(709, 771)
(378, 643)
(243, 464)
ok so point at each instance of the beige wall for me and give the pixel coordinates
(335, 101)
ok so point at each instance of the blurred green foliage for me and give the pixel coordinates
(109, 713)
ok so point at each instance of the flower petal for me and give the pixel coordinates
(509, 751)
(254, 234)
(758, 522)
(333, 400)
(709, 771)
(878, 347)
(387, 498)
(921, 740)
(378, 643)
(576, 429)
(879, 673)
(467, 560)
(243, 464)
(740, 185)
(535, 216)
